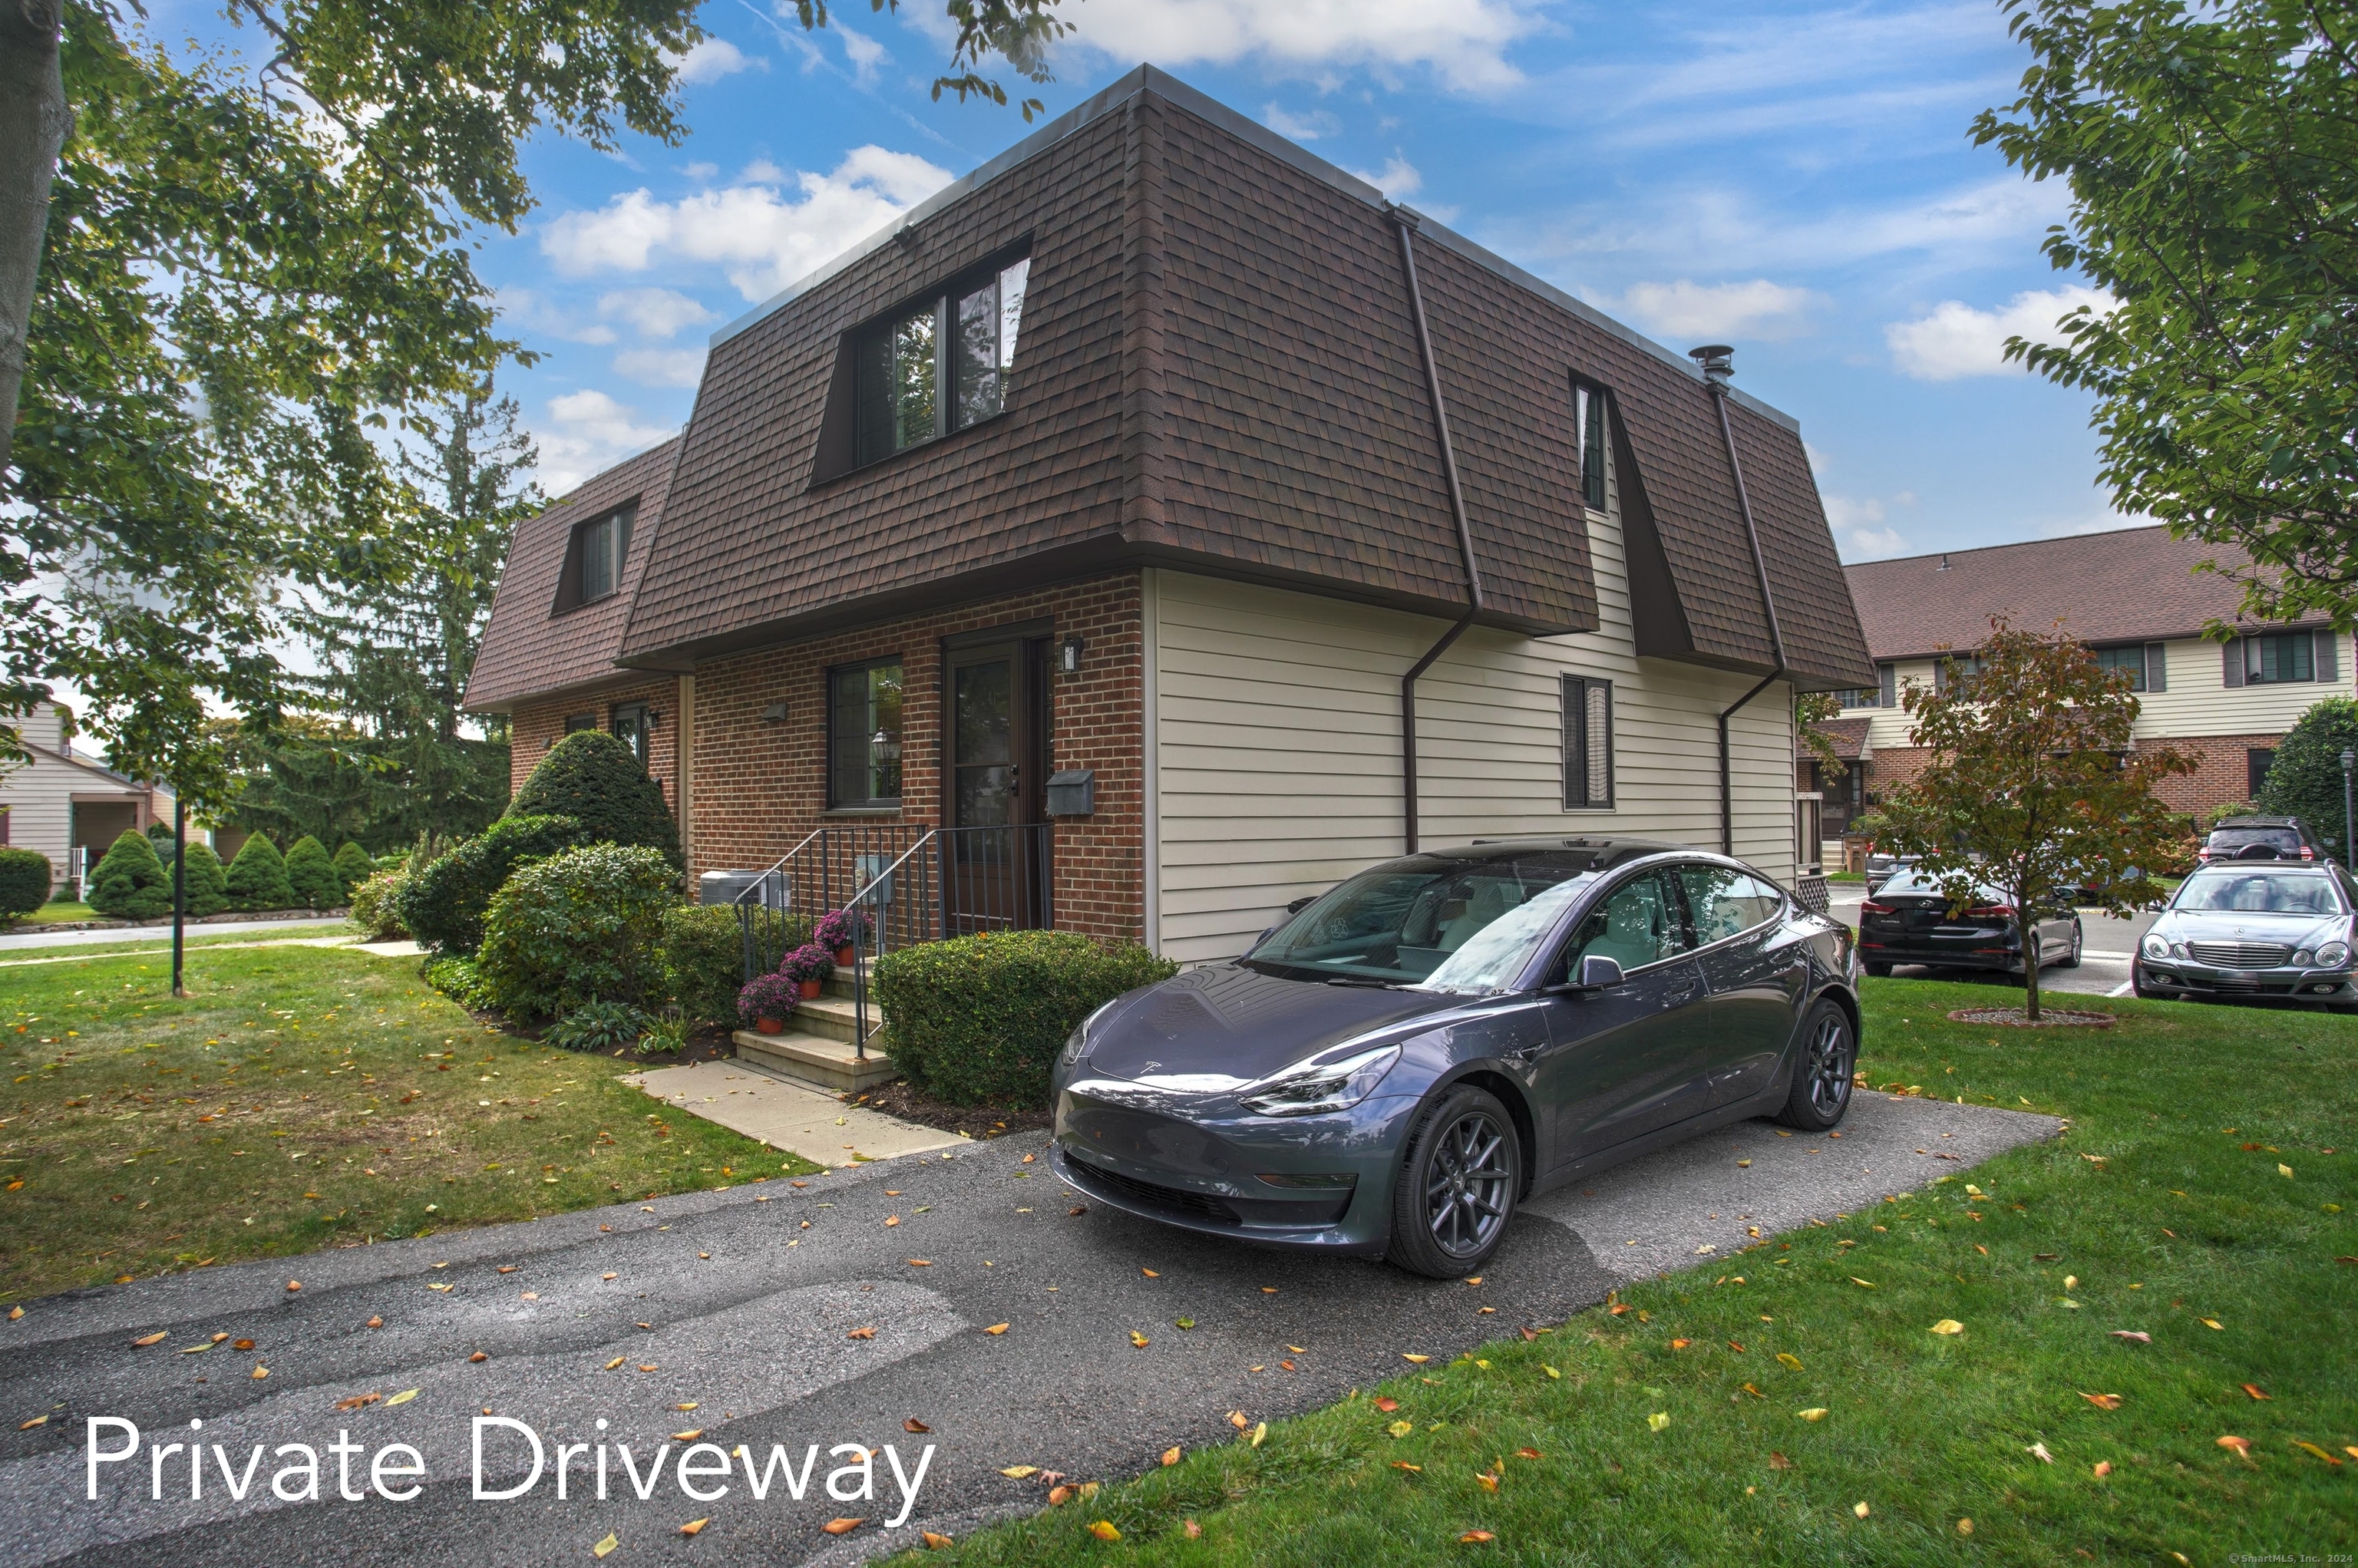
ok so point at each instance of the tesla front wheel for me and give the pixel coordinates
(2071, 960)
(1456, 1187)
(1822, 1081)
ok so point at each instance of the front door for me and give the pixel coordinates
(995, 871)
(1757, 968)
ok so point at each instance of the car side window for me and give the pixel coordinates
(1637, 924)
(1724, 901)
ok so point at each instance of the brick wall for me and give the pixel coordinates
(2221, 775)
(537, 726)
(761, 786)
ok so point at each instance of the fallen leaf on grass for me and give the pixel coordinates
(1863, 1284)
(2210, 1323)
(2039, 1451)
(1404, 1464)
(1681, 1344)
(2104, 1402)
(2104, 1469)
(2254, 1391)
(1260, 1433)
(1485, 1480)
(2313, 1448)
(2242, 1445)
(154, 1338)
(1778, 1461)
(1658, 1421)
(1551, 1371)
(1194, 1531)
(842, 1526)
(1104, 1530)
(1401, 1428)
(933, 1541)
(2134, 1336)
(1859, 1509)
(693, 1525)
(1059, 1496)
(1171, 1455)
(861, 1333)
(1529, 1453)
(1948, 1326)
(1789, 1359)
(1387, 1404)
(1477, 1538)
(1815, 1412)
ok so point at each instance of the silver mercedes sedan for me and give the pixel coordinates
(2241, 929)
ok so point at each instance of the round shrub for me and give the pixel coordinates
(443, 903)
(129, 883)
(582, 926)
(311, 875)
(595, 779)
(26, 877)
(207, 884)
(2305, 780)
(980, 1018)
(353, 867)
(704, 959)
(258, 876)
(376, 906)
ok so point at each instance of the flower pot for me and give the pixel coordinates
(843, 957)
(810, 989)
(770, 1026)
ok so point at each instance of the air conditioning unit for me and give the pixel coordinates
(766, 890)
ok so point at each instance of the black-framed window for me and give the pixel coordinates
(2280, 656)
(594, 554)
(1589, 411)
(1859, 696)
(864, 734)
(579, 721)
(940, 365)
(1587, 743)
(2131, 659)
(633, 724)
(2258, 760)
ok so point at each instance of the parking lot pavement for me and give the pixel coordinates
(2108, 945)
(719, 1317)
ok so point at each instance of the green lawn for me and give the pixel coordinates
(67, 909)
(300, 1098)
(1647, 1437)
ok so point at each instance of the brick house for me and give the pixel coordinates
(2134, 596)
(1282, 527)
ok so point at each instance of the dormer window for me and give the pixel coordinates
(593, 559)
(1589, 412)
(941, 365)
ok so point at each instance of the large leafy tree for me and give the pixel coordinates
(2306, 780)
(232, 292)
(2211, 151)
(2032, 787)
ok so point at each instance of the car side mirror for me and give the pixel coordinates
(1299, 905)
(1597, 973)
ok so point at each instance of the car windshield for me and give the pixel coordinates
(1430, 921)
(2233, 841)
(2240, 892)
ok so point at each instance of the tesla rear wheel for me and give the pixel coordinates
(1457, 1186)
(1822, 1081)
(2071, 960)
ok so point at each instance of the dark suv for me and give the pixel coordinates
(2261, 838)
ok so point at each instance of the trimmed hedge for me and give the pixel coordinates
(704, 960)
(443, 905)
(129, 883)
(585, 925)
(979, 1020)
(257, 877)
(208, 883)
(595, 779)
(311, 875)
(353, 867)
(26, 877)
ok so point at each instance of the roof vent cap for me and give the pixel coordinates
(1716, 361)
(1944, 562)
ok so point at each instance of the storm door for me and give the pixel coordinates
(995, 859)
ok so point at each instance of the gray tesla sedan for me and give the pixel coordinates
(1399, 1062)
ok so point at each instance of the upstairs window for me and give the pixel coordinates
(2286, 657)
(2130, 659)
(1589, 412)
(593, 559)
(1587, 744)
(864, 734)
(939, 366)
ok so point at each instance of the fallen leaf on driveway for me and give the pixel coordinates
(606, 1545)
(1139, 1340)
(692, 1526)
(358, 1401)
(1184, 1322)
(478, 1357)
(1019, 1472)
(1237, 1419)
(861, 1333)
(154, 1338)
(2104, 1402)
(373, 1323)
(996, 1328)
(889, 1219)
(612, 1365)
(259, 1373)
(934, 1543)
(1077, 1210)
(912, 1423)
(1414, 1361)
(1171, 1456)
(2134, 1336)
(1150, 1273)
(921, 1262)
(690, 1435)
(37, 1421)
(401, 1397)
(1059, 1496)
(842, 1526)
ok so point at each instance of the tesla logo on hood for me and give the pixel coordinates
(1150, 1067)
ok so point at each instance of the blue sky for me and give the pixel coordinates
(1794, 179)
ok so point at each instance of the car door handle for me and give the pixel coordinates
(1684, 992)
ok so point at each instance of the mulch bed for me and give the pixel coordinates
(979, 1122)
(2049, 1018)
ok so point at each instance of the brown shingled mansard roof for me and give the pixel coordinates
(529, 650)
(1217, 369)
(2127, 585)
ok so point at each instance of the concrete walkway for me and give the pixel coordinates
(402, 949)
(21, 939)
(800, 1120)
(829, 1313)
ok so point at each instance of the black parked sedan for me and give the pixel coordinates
(1392, 1068)
(1911, 920)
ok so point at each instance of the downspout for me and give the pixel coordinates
(1714, 359)
(1404, 224)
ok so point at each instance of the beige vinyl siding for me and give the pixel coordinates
(1278, 757)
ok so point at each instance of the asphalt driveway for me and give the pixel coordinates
(720, 1315)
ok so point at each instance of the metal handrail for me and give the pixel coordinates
(859, 1030)
(777, 865)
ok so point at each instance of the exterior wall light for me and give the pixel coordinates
(1068, 656)
(775, 714)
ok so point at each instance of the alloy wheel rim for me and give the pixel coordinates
(1466, 1184)
(1829, 1067)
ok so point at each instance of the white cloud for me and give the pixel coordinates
(1299, 128)
(864, 52)
(1955, 339)
(1758, 310)
(653, 312)
(587, 432)
(765, 233)
(1464, 42)
(1397, 179)
(716, 58)
(660, 367)
(1860, 528)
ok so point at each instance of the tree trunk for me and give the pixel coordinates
(2027, 929)
(33, 123)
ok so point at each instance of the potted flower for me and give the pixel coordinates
(807, 965)
(838, 929)
(765, 1002)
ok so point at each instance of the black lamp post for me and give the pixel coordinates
(2348, 850)
(180, 883)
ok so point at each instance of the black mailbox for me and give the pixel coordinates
(1072, 792)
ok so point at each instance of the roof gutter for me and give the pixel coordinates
(1404, 224)
(1716, 361)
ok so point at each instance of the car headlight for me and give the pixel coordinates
(1323, 1085)
(1076, 1043)
(2333, 954)
(2155, 947)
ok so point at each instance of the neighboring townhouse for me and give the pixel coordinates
(2135, 597)
(1171, 527)
(67, 806)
